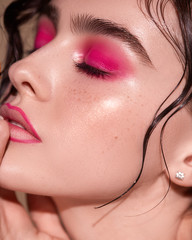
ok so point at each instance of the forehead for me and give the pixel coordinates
(129, 13)
(123, 10)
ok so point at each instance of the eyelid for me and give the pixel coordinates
(52, 12)
(104, 54)
(91, 71)
(46, 32)
(102, 60)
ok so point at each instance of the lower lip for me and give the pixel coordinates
(20, 135)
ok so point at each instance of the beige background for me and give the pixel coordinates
(3, 4)
(27, 32)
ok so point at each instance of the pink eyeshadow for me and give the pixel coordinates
(108, 57)
(45, 32)
(101, 60)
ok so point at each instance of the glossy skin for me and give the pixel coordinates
(92, 127)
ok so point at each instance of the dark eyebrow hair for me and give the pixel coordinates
(86, 23)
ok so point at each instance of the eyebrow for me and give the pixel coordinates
(85, 23)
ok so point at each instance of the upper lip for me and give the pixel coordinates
(16, 114)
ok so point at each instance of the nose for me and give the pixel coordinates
(30, 80)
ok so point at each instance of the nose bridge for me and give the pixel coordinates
(29, 79)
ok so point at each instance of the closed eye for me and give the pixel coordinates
(91, 71)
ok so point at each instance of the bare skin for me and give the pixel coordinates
(92, 133)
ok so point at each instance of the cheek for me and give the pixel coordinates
(102, 139)
(177, 137)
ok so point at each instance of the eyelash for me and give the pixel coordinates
(91, 71)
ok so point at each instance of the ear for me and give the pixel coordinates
(180, 168)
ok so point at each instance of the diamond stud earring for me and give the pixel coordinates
(180, 175)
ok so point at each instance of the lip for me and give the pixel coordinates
(18, 134)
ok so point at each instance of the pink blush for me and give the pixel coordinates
(45, 32)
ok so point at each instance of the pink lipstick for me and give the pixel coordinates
(21, 130)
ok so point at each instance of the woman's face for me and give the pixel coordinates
(90, 90)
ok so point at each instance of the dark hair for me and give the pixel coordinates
(17, 13)
(20, 11)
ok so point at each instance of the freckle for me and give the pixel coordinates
(116, 137)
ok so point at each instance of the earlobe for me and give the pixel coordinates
(177, 148)
(181, 171)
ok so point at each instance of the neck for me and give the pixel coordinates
(123, 220)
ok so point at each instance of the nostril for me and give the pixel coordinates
(28, 87)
